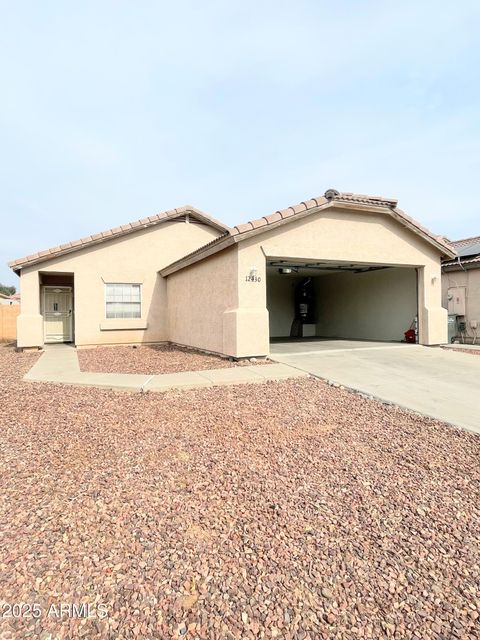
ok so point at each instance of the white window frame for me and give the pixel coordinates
(123, 284)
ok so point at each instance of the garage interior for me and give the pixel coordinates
(325, 300)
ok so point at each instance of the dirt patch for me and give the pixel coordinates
(153, 359)
(288, 510)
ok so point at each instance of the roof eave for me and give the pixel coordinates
(212, 222)
(234, 238)
(460, 265)
(223, 243)
(105, 236)
(237, 237)
(410, 223)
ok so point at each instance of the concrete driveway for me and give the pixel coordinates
(440, 383)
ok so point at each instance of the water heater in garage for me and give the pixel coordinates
(304, 307)
(304, 298)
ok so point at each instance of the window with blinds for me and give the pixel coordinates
(123, 300)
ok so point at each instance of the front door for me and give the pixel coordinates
(58, 314)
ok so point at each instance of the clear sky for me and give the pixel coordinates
(114, 110)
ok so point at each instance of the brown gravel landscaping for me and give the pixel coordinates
(152, 359)
(288, 510)
(474, 352)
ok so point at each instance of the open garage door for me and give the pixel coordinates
(344, 301)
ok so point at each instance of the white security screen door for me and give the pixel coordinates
(57, 314)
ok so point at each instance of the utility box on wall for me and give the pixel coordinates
(456, 301)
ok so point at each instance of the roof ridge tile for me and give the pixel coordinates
(330, 197)
(109, 234)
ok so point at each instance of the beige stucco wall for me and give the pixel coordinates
(214, 305)
(342, 236)
(281, 303)
(202, 300)
(209, 308)
(133, 258)
(378, 305)
(470, 279)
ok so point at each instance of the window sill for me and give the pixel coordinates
(122, 324)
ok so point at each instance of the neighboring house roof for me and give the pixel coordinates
(468, 250)
(332, 197)
(465, 241)
(11, 299)
(118, 232)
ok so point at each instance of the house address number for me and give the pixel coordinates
(253, 279)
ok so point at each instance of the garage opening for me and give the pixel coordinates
(322, 300)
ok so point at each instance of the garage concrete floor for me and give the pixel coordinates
(440, 383)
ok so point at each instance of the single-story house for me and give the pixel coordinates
(341, 265)
(461, 289)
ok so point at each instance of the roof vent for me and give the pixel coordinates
(330, 194)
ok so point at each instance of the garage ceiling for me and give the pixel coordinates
(317, 268)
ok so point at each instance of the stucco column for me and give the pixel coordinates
(30, 321)
(432, 317)
(245, 328)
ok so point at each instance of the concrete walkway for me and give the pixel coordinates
(59, 363)
(440, 383)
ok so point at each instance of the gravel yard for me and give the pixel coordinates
(151, 359)
(474, 352)
(292, 510)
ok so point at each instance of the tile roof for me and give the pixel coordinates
(116, 232)
(242, 231)
(462, 244)
(313, 203)
(331, 196)
(458, 263)
(465, 242)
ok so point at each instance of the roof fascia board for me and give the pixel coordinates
(106, 236)
(339, 204)
(407, 222)
(211, 222)
(209, 249)
(397, 214)
(401, 217)
(187, 261)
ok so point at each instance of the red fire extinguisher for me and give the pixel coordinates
(410, 336)
(411, 333)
